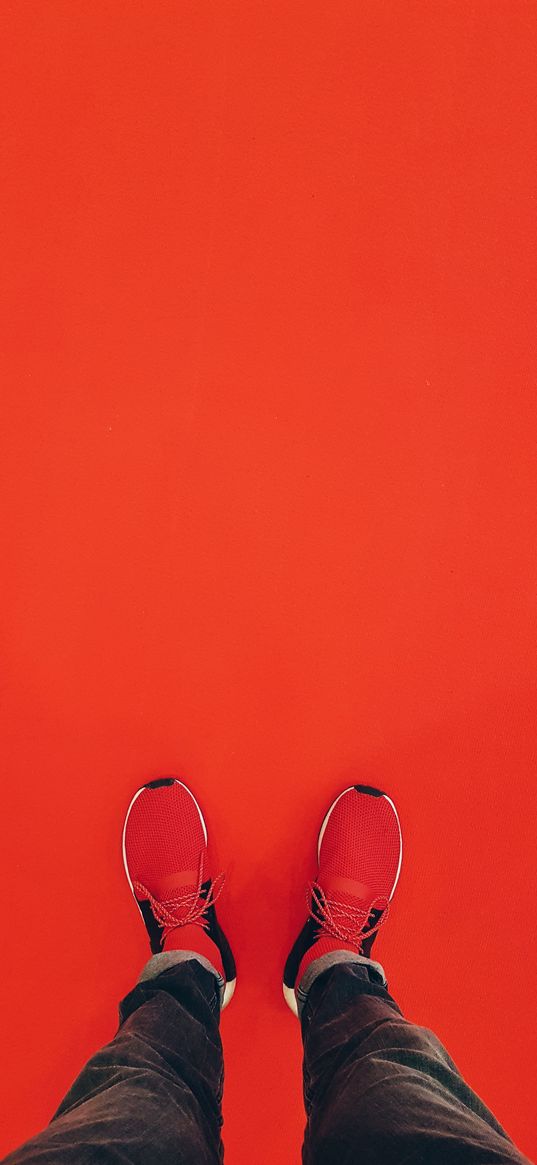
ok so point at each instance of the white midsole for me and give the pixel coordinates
(290, 998)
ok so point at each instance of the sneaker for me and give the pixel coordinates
(359, 853)
(166, 858)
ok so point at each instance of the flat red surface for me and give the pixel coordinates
(268, 473)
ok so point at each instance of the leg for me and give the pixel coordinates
(152, 1095)
(381, 1090)
(378, 1090)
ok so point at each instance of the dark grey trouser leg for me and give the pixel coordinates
(153, 1095)
(380, 1090)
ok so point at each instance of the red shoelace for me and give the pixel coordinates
(184, 907)
(342, 921)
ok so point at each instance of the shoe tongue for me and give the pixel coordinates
(173, 885)
(347, 891)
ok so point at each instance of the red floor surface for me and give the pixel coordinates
(268, 456)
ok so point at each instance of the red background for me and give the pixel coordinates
(268, 465)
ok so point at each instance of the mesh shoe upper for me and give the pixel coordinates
(164, 836)
(361, 844)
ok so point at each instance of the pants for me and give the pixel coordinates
(378, 1090)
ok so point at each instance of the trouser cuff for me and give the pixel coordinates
(166, 959)
(324, 962)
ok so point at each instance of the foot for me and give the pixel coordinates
(359, 853)
(167, 865)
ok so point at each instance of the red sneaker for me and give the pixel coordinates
(167, 865)
(360, 851)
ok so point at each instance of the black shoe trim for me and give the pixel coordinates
(152, 927)
(369, 789)
(160, 781)
(367, 943)
(305, 940)
(216, 933)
